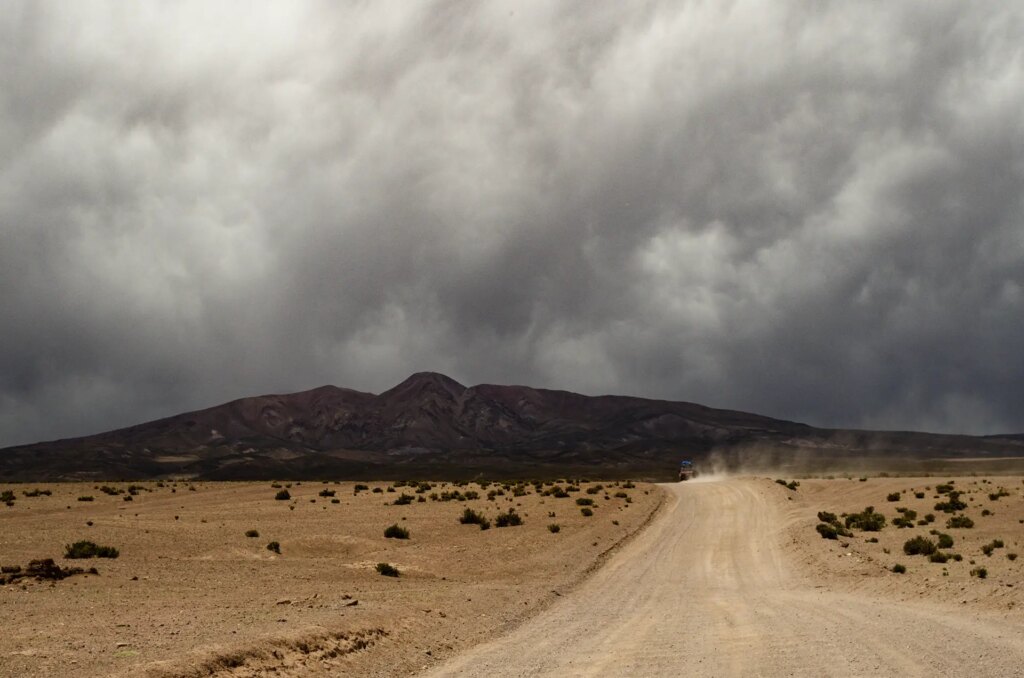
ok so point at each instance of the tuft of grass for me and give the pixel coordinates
(919, 546)
(471, 517)
(587, 511)
(899, 569)
(88, 549)
(275, 547)
(404, 499)
(283, 495)
(893, 496)
(396, 531)
(387, 570)
(867, 520)
(555, 528)
(509, 519)
(987, 549)
(252, 534)
(85, 498)
(979, 572)
(952, 504)
(827, 531)
(960, 521)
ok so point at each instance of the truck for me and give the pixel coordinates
(687, 470)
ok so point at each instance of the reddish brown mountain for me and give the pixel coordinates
(430, 425)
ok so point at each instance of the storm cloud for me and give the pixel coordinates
(811, 211)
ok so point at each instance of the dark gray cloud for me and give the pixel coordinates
(809, 211)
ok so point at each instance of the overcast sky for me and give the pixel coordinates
(809, 210)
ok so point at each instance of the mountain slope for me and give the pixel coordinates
(432, 425)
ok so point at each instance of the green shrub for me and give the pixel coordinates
(586, 511)
(960, 521)
(356, 489)
(826, 517)
(987, 549)
(326, 493)
(584, 501)
(509, 519)
(827, 531)
(471, 517)
(979, 572)
(275, 547)
(938, 557)
(867, 520)
(387, 570)
(252, 533)
(283, 495)
(945, 541)
(85, 498)
(952, 505)
(555, 528)
(1011, 556)
(893, 496)
(919, 495)
(899, 569)
(919, 546)
(396, 531)
(404, 499)
(88, 549)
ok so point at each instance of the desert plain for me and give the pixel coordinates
(191, 595)
(725, 575)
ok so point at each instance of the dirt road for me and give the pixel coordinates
(707, 590)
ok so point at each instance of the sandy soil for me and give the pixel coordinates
(191, 595)
(732, 579)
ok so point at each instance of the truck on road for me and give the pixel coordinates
(687, 470)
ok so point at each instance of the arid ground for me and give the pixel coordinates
(191, 595)
(733, 579)
(730, 577)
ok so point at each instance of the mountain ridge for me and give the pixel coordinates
(432, 424)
